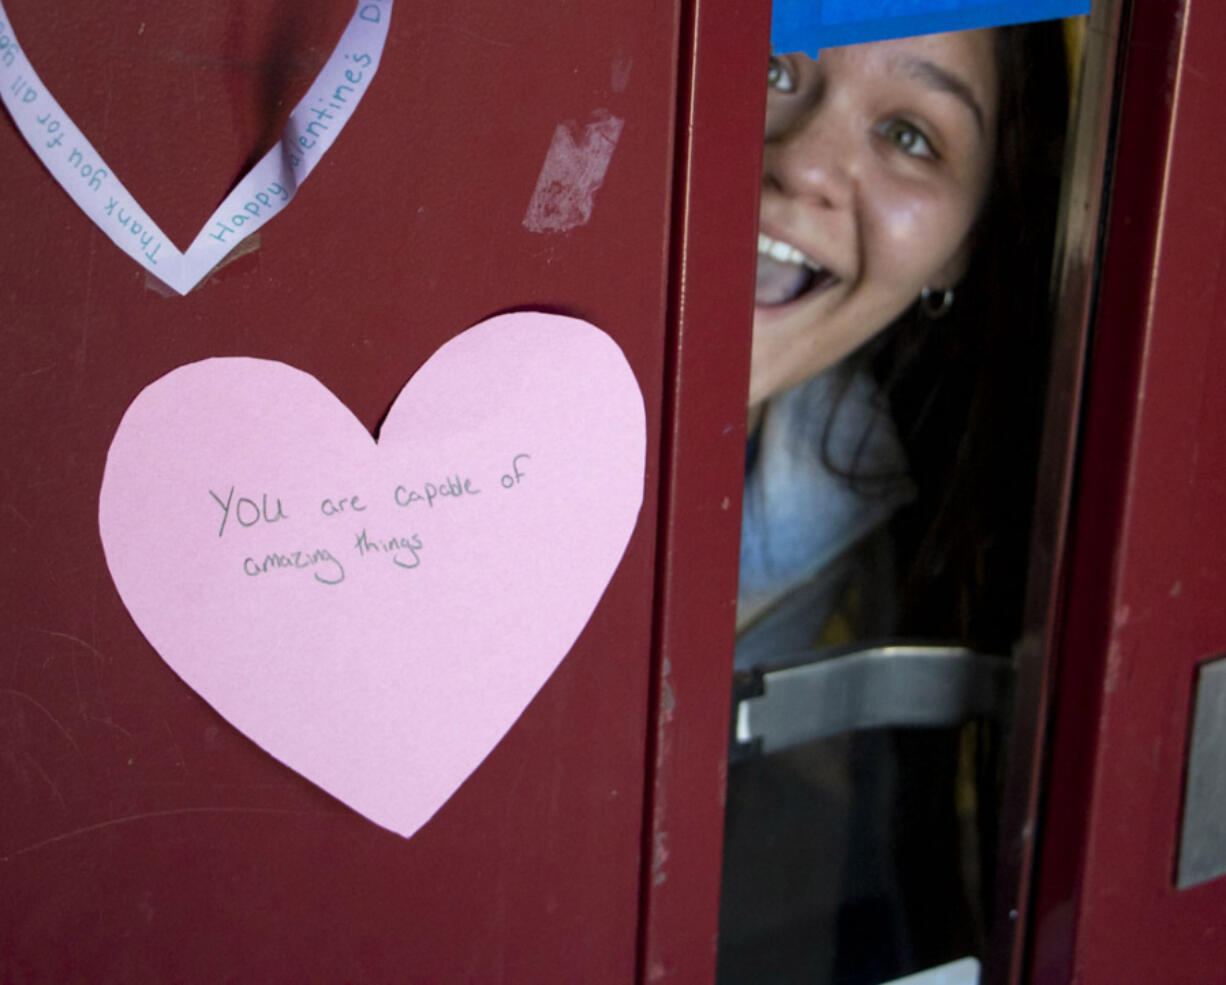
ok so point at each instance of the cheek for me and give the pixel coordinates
(912, 233)
(903, 225)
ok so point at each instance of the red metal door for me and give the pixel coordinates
(1142, 609)
(143, 838)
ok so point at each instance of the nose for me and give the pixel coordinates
(812, 158)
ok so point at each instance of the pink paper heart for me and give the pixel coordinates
(377, 616)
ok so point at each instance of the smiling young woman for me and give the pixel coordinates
(908, 205)
(876, 166)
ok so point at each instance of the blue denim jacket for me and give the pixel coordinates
(804, 525)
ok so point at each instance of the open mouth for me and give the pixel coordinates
(785, 274)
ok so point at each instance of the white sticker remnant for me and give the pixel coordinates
(263, 192)
(573, 170)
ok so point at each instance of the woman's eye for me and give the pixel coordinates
(907, 138)
(778, 77)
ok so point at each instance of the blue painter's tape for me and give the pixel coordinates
(806, 25)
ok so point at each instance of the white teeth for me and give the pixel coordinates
(784, 252)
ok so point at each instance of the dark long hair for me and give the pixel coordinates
(965, 390)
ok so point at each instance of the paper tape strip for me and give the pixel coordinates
(264, 191)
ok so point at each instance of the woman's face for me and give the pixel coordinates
(877, 162)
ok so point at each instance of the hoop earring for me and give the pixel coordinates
(936, 304)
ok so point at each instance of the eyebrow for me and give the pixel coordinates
(935, 77)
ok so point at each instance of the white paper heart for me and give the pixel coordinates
(265, 190)
(377, 616)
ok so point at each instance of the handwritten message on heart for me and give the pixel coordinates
(314, 124)
(376, 615)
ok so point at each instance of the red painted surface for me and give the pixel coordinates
(144, 840)
(1144, 603)
(719, 150)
